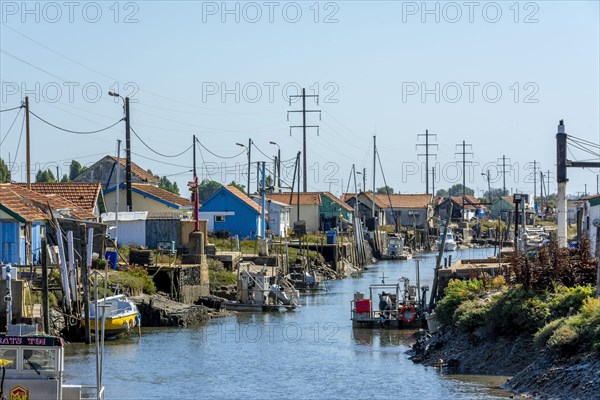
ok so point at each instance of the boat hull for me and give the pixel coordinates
(241, 307)
(117, 325)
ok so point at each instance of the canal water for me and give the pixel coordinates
(312, 352)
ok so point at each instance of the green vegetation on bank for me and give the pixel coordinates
(549, 297)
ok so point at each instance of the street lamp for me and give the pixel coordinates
(487, 174)
(277, 163)
(127, 150)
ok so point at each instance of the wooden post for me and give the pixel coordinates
(85, 279)
(45, 303)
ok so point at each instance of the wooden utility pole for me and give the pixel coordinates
(27, 143)
(85, 279)
(374, 171)
(249, 165)
(427, 155)
(128, 155)
(304, 126)
(45, 303)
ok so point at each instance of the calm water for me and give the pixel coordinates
(311, 352)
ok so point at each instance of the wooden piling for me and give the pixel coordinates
(83, 268)
(45, 302)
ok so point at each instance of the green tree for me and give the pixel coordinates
(269, 181)
(45, 176)
(75, 169)
(457, 190)
(4, 172)
(442, 193)
(241, 188)
(385, 190)
(65, 178)
(166, 184)
(208, 188)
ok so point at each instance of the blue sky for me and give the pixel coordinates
(192, 68)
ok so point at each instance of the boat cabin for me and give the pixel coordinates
(33, 368)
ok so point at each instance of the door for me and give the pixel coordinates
(9, 240)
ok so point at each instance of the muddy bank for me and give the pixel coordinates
(159, 310)
(537, 374)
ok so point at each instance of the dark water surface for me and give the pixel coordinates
(311, 352)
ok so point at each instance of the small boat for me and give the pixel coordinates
(32, 363)
(306, 282)
(395, 248)
(120, 313)
(450, 244)
(394, 305)
(257, 291)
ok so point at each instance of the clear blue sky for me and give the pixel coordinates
(370, 62)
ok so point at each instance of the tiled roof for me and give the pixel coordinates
(242, 196)
(337, 201)
(405, 200)
(471, 203)
(56, 202)
(306, 199)
(21, 206)
(137, 170)
(83, 194)
(161, 194)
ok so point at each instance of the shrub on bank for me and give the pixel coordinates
(519, 311)
(472, 314)
(219, 276)
(457, 292)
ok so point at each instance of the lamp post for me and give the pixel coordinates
(277, 164)
(487, 175)
(127, 150)
(248, 150)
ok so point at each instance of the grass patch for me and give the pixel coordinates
(136, 279)
(219, 276)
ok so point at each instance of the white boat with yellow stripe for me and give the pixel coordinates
(120, 315)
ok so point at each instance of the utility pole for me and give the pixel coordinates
(128, 155)
(194, 155)
(27, 143)
(249, 165)
(427, 154)
(433, 181)
(304, 126)
(374, 170)
(117, 193)
(535, 163)
(194, 188)
(464, 170)
(364, 174)
(504, 159)
(257, 175)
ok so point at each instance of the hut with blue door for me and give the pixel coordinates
(21, 223)
(230, 210)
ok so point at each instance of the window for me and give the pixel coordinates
(413, 213)
(39, 360)
(9, 358)
(219, 218)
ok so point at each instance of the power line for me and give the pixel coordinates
(159, 153)
(218, 156)
(72, 131)
(11, 125)
(10, 109)
(427, 154)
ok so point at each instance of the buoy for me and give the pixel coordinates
(410, 311)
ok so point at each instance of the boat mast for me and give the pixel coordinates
(374, 171)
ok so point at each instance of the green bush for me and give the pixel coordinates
(457, 292)
(563, 335)
(566, 300)
(519, 311)
(135, 278)
(541, 337)
(472, 314)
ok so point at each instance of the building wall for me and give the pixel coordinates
(279, 219)
(10, 242)
(162, 230)
(140, 203)
(239, 218)
(408, 216)
(102, 172)
(132, 232)
(308, 213)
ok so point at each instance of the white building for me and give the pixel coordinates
(278, 218)
(132, 227)
(591, 220)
